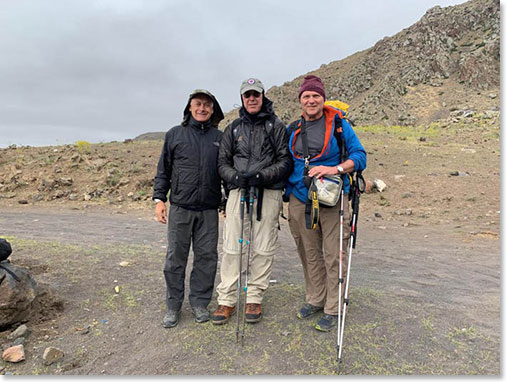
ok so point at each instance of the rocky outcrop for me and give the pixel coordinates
(416, 76)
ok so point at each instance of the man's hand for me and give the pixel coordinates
(241, 179)
(161, 212)
(255, 179)
(320, 171)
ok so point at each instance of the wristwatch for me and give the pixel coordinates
(340, 169)
(156, 201)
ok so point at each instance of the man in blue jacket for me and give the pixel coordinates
(188, 168)
(318, 249)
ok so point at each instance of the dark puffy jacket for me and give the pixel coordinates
(188, 164)
(250, 149)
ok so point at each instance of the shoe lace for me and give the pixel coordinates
(221, 309)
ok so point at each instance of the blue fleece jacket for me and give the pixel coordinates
(330, 155)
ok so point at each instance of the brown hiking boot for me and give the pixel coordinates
(253, 313)
(222, 314)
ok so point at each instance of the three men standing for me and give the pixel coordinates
(254, 153)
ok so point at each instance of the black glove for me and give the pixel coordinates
(241, 179)
(255, 179)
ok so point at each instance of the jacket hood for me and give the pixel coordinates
(265, 112)
(217, 115)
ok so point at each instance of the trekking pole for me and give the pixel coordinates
(340, 277)
(242, 216)
(357, 188)
(251, 198)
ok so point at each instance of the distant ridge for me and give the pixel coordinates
(151, 136)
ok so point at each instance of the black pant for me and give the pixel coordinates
(201, 229)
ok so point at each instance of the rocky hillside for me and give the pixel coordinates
(448, 61)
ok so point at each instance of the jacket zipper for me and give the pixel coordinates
(249, 148)
(201, 166)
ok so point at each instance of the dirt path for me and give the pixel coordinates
(424, 300)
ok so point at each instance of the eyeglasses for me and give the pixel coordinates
(251, 93)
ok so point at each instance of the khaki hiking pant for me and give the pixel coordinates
(264, 245)
(319, 252)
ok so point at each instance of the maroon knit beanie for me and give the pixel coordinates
(314, 84)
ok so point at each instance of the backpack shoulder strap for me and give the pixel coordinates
(235, 125)
(338, 134)
(269, 125)
(293, 126)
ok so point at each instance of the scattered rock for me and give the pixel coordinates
(52, 355)
(379, 185)
(459, 173)
(124, 264)
(21, 331)
(368, 188)
(14, 354)
(23, 201)
(19, 341)
(65, 181)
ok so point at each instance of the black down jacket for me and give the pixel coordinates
(188, 164)
(250, 150)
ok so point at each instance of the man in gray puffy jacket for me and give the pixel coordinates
(253, 153)
(188, 168)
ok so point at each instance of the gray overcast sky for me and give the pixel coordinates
(103, 70)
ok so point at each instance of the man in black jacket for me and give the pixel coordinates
(188, 168)
(253, 153)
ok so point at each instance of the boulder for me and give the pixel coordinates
(17, 292)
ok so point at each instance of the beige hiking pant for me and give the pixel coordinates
(264, 245)
(319, 251)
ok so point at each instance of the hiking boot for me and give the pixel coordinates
(201, 314)
(222, 314)
(307, 310)
(171, 319)
(253, 313)
(326, 322)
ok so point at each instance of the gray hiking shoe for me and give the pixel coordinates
(201, 314)
(171, 319)
(308, 310)
(326, 322)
